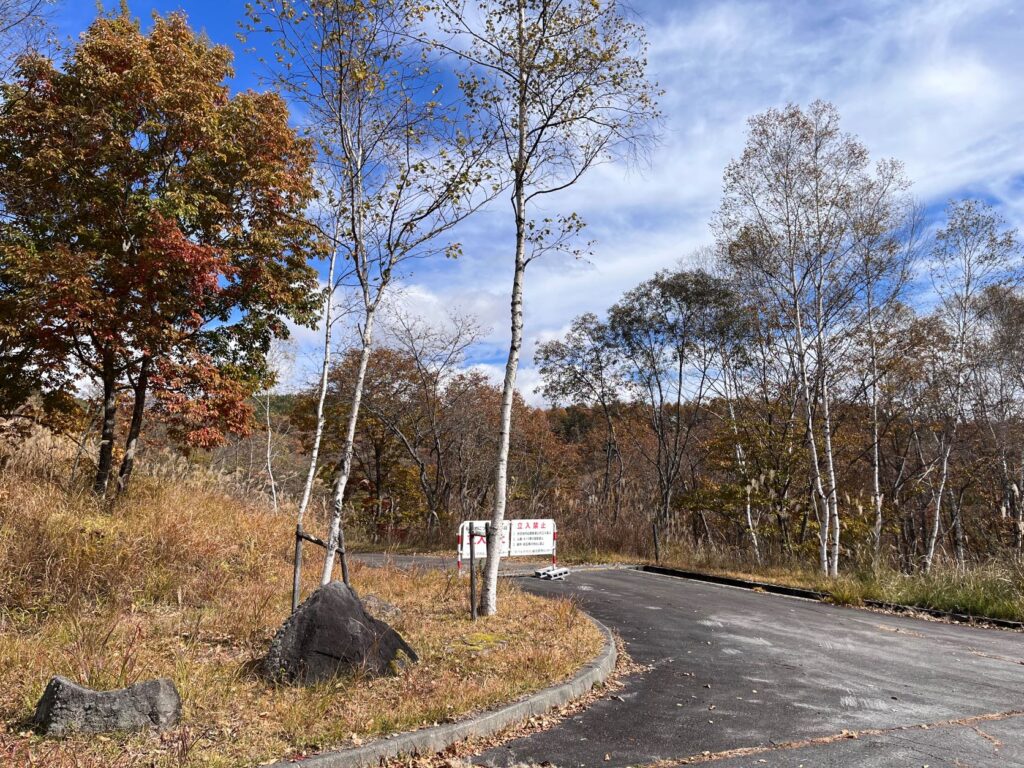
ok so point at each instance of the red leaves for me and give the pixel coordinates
(154, 216)
(201, 403)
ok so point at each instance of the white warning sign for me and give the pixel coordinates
(532, 537)
(519, 538)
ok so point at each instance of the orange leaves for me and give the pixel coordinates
(156, 218)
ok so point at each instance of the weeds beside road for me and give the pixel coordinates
(182, 580)
(991, 590)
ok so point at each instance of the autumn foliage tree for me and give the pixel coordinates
(154, 231)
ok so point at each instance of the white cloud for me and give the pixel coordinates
(933, 83)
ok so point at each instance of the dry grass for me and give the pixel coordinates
(993, 590)
(184, 581)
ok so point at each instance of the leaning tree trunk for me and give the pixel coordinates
(336, 536)
(489, 591)
(124, 475)
(106, 457)
(314, 456)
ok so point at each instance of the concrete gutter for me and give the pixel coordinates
(429, 741)
(812, 594)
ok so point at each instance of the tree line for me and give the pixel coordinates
(836, 379)
(159, 231)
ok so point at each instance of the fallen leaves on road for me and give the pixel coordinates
(459, 755)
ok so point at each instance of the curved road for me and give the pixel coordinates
(743, 679)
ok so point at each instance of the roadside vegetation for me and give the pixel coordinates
(181, 579)
(993, 590)
(829, 393)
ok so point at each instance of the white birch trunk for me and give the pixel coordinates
(335, 539)
(314, 457)
(741, 463)
(832, 500)
(933, 536)
(818, 491)
(325, 366)
(489, 589)
(488, 595)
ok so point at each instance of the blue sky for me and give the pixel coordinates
(936, 84)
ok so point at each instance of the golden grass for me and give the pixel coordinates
(991, 590)
(184, 581)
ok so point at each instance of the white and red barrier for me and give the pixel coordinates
(519, 538)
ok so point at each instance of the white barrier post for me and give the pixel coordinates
(472, 573)
(554, 546)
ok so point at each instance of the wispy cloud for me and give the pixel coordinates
(933, 84)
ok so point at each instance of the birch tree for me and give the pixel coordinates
(564, 87)
(400, 172)
(798, 206)
(974, 252)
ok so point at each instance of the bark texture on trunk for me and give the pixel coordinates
(314, 456)
(336, 536)
(109, 424)
(489, 588)
(488, 592)
(124, 475)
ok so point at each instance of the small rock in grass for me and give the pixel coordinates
(66, 707)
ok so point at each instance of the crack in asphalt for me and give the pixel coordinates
(817, 741)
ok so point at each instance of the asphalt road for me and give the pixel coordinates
(743, 679)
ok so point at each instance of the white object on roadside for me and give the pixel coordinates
(519, 538)
(552, 573)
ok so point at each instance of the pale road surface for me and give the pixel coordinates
(731, 669)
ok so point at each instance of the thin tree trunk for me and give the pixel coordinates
(832, 500)
(1018, 519)
(876, 480)
(489, 589)
(106, 457)
(817, 490)
(741, 463)
(933, 536)
(956, 507)
(488, 592)
(270, 452)
(314, 456)
(135, 428)
(336, 536)
(81, 445)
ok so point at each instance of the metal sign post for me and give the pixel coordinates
(472, 573)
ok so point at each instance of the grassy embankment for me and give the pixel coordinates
(183, 580)
(994, 590)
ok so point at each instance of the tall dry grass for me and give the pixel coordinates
(183, 580)
(993, 589)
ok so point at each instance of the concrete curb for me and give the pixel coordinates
(428, 741)
(811, 594)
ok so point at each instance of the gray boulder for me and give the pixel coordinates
(329, 635)
(382, 609)
(66, 707)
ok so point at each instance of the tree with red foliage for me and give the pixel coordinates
(155, 236)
